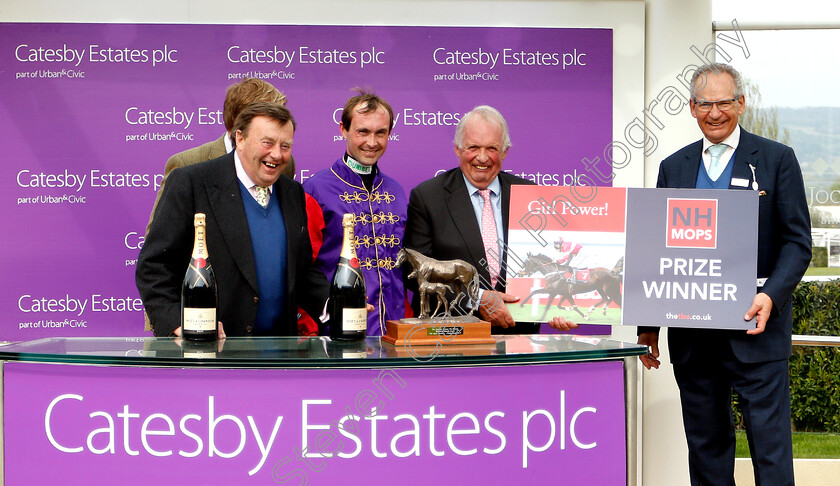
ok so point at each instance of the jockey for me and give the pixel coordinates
(568, 251)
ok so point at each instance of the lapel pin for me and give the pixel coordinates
(754, 182)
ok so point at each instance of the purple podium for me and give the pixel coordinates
(524, 409)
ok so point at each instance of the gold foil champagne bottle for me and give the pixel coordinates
(348, 313)
(199, 297)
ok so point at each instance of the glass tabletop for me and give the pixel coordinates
(314, 352)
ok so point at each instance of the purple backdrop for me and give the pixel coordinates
(490, 425)
(93, 111)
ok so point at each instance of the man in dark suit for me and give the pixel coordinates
(708, 364)
(256, 234)
(463, 214)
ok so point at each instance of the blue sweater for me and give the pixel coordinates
(268, 240)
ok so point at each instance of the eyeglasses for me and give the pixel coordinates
(706, 106)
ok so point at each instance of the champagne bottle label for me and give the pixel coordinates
(353, 266)
(197, 278)
(199, 319)
(354, 319)
(199, 349)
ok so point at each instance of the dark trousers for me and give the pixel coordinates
(705, 393)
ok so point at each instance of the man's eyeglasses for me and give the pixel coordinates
(706, 106)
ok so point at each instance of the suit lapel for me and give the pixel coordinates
(226, 202)
(505, 223)
(694, 156)
(461, 209)
(746, 155)
(505, 205)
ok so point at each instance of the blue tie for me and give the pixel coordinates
(716, 166)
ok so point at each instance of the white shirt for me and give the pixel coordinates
(244, 179)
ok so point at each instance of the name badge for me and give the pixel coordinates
(739, 182)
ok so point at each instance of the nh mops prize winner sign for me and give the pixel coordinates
(95, 110)
(659, 257)
(691, 258)
(489, 425)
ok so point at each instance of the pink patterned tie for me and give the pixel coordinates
(489, 236)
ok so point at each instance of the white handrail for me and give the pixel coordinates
(805, 340)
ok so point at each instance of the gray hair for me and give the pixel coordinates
(488, 113)
(716, 68)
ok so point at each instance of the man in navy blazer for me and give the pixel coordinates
(445, 213)
(708, 364)
(261, 255)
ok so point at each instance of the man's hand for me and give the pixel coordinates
(492, 308)
(650, 339)
(762, 304)
(562, 324)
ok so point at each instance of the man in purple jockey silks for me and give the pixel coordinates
(355, 184)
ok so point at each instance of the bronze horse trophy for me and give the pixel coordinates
(436, 277)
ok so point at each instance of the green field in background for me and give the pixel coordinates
(806, 445)
(822, 271)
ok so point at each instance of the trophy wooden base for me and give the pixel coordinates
(425, 352)
(440, 332)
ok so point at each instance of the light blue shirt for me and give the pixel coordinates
(495, 199)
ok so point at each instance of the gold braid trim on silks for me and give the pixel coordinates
(377, 218)
(385, 197)
(356, 197)
(386, 263)
(368, 241)
(363, 196)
